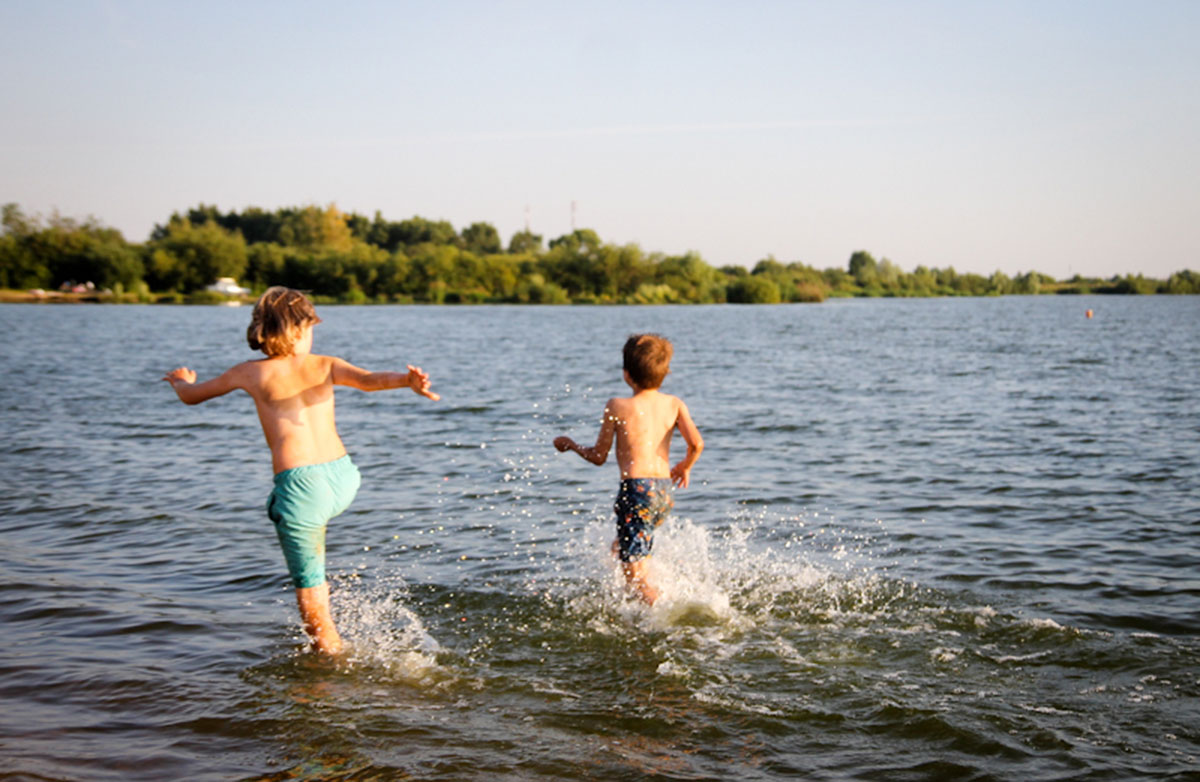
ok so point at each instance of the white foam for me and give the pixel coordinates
(1018, 658)
(716, 580)
(381, 631)
(944, 655)
(1045, 624)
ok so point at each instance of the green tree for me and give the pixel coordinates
(581, 240)
(525, 242)
(796, 281)
(418, 230)
(574, 262)
(752, 290)
(863, 268)
(433, 270)
(37, 255)
(999, 284)
(265, 263)
(971, 284)
(481, 239)
(923, 281)
(692, 278)
(359, 226)
(534, 289)
(1131, 284)
(1185, 281)
(313, 228)
(616, 272)
(1027, 284)
(393, 236)
(20, 266)
(648, 293)
(888, 274)
(499, 276)
(257, 225)
(189, 257)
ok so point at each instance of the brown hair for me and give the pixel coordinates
(647, 359)
(279, 313)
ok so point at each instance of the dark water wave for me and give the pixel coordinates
(928, 540)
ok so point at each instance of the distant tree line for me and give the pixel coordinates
(351, 258)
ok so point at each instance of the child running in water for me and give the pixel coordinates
(315, 480)
(643, 424)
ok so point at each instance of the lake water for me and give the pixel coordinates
(929, 539)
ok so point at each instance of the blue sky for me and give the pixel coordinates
(1060, 136)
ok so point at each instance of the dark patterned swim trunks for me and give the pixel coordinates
(642, 504)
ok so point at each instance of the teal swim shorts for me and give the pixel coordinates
(301, 504)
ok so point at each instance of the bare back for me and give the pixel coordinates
(294, 399)
(643, 424)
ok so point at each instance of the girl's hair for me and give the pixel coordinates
(278, 315)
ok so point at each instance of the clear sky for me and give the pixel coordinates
(1056, 135)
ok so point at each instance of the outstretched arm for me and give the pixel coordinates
(183, 380)
(598, 453)
(346, 374)
(681, 473)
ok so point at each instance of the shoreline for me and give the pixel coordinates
(11, 296)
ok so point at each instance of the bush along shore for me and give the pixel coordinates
(348, 258)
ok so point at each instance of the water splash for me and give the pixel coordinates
(382, 633)
(747, 571)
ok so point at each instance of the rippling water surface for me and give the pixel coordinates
(936, 539)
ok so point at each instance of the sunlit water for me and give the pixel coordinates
(936, 539)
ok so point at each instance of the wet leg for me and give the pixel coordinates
(635, 578)
(317, 618)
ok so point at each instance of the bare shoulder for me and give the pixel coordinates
(678, 408)
(248, 375)
(671, 402)
(324, 363)
(247, 371)
(617, 407)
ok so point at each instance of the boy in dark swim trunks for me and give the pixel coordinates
(643, 424)
(315, 480)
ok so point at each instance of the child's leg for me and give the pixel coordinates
(635, 577)
(317, 618)
(641, 505)
(304, 500)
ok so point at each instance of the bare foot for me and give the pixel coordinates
(328, 643)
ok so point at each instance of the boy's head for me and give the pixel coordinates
(647, 359)
(278, 319)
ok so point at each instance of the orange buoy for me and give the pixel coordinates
(1089, 313)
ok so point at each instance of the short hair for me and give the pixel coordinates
(647, 359)
(277, 315)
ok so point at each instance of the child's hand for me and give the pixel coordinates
(418, 381)
(563, 443)
(180, 374)
(681, 475)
